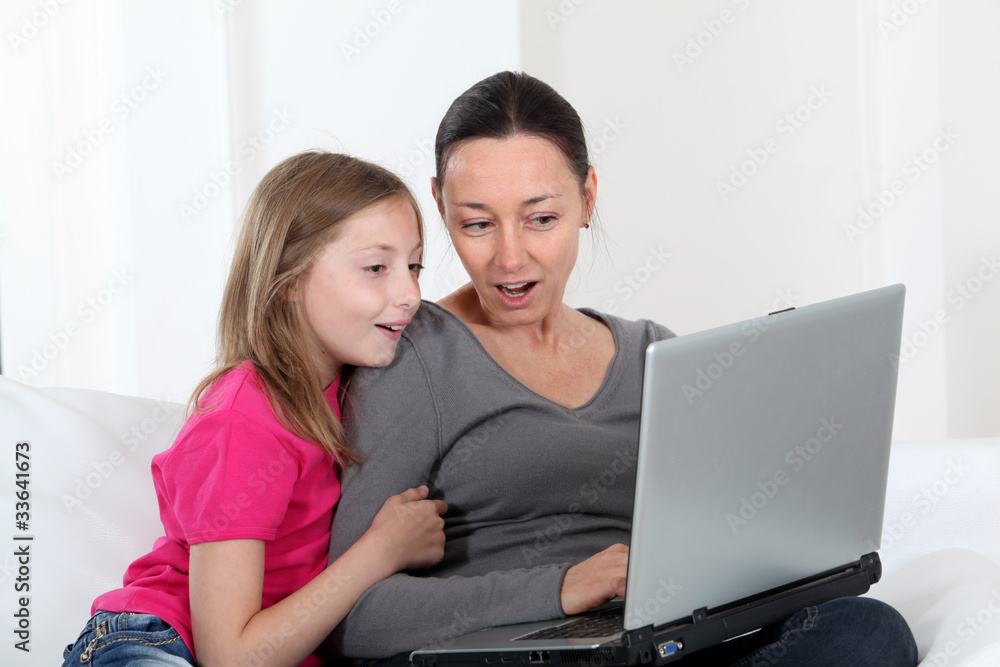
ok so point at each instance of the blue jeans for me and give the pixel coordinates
(847, 632)
(112, 639)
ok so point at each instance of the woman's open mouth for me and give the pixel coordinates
(516, 295)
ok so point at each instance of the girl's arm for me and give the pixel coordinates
(226, 583)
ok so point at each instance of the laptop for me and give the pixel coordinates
(760, 488)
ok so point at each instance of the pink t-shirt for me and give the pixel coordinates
(234, 472)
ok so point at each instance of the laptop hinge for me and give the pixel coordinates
(640, 646)
(699, 615)
(873, 565)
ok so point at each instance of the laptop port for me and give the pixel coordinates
(667, 649)
(490, 661)
(505, 660)
(539, 658)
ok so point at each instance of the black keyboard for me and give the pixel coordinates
(598, 624)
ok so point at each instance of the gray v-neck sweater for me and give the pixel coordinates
(532, 487)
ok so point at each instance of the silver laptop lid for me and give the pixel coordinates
(763, 453)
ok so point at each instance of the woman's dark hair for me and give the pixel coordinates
(506, 105)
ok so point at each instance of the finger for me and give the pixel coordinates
(441, 506)
(416, 493)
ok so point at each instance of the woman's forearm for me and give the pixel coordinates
(405, 613)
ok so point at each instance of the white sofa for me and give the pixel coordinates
(92, 511)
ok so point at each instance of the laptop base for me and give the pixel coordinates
(704, 629)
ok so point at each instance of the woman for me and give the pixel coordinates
(516, 404)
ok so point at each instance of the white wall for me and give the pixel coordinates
(154, 199)
(685, 91)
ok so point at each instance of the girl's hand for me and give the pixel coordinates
(227, 578)
(597, 580)
(408, 532)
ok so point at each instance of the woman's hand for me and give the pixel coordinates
(595, 581)
(408, 532)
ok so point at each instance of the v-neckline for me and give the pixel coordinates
(593, 314)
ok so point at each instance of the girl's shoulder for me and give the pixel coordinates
(239, 389)
(235, 406)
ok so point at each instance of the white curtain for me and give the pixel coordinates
(138, 130)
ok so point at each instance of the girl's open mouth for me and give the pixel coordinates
(393, 331)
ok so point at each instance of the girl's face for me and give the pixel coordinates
(514, 211)
(362, 289)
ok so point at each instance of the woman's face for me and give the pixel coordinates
(514, 211)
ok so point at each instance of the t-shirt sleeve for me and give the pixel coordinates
(228, 478)
(659, 332)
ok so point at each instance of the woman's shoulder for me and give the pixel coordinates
(434, 330)
(436, 347)
(640, 331)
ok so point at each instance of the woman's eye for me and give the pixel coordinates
(478, 226)
(375, 268)
(544, 220)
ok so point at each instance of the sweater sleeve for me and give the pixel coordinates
(393, 421)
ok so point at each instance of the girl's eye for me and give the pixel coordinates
(416, 267)
(375, 269)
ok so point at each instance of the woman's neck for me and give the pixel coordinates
(545, 332)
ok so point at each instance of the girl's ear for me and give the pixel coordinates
(293, 291)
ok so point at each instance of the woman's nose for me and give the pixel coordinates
(510, 252)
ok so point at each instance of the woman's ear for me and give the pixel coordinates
(590, 190)
(438, 199)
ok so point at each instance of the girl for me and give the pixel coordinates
(324, 276)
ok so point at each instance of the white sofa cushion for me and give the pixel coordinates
(941, 548)
(92, 506)
(941, 495)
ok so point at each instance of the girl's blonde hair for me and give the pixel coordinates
(295, 211)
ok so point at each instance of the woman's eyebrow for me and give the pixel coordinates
(538, 200)
(526, 203)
